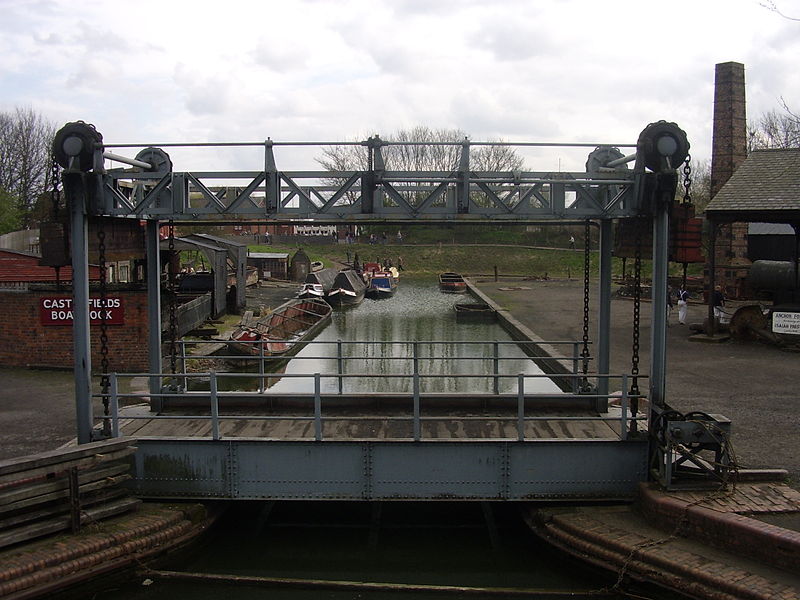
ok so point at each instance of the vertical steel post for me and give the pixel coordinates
(623, 417)
(417, 427)
(153, 252)
(521, 407)
(496, 367)
(261, 387)
(339, 364)
(604, 316)
(214, 405)
(75, 190)
(114, 389)
(658, 338)
(317, 409)
(575, 355)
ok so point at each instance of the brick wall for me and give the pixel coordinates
(26, 342)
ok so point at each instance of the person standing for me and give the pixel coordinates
(683, 300)
(718, 302)
(572, 242)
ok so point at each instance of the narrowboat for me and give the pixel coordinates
(348, 289)
(452, 283)
(284, 331)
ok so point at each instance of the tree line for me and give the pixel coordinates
(25, 167)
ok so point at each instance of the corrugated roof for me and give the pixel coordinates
(765, 188)
(272, 255)
(769, 229)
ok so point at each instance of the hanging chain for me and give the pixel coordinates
(55, 196)
(586, 266)
(687, 180)
(104, 379)
(637, 310)
(173, 301)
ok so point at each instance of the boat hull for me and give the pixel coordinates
(452, 283)
(283, 332)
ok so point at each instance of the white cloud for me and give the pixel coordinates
(551, 70)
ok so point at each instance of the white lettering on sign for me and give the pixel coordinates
(58, 311)
(786, 322)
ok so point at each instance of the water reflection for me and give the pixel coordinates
(419, 313)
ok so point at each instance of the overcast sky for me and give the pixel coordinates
(521, 70)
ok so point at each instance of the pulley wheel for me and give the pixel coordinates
(660, 141)
(74, 145)
(159, 160)
(601, 156)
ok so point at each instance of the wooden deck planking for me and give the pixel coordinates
(369, 427)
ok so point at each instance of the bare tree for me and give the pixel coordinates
(421, 149)
(25, 139)
(774, 129)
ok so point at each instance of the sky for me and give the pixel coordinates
(162, 71)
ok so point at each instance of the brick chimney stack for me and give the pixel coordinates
(728, 151)
(729, 143)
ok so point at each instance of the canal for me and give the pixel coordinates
(379, 338)
(473, 544)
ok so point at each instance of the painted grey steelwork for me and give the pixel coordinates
(172, 468)
(153, 303)
(607, 190)
(604, 313)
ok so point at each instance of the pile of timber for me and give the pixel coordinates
(63, 490)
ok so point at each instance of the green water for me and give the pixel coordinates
(417, 312)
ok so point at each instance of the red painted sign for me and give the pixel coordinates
(57, 310)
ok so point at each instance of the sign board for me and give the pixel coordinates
(786, 322)
(57, 310)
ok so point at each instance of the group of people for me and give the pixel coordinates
(682, 297)
(384, 239)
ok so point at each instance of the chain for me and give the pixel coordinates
(173, 300)
(586, 266)
(637, 310)
(55, 196)
(104, 380)
(687, 180)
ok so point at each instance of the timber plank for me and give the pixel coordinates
(51, 457)
(41, 492)
(50, 526)
(59, 469)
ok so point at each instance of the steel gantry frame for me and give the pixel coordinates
(152, 191)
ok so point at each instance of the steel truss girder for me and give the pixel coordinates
(339, 196)
(374, 470)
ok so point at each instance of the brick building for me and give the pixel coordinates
(36, 326)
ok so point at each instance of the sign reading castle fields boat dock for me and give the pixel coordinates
(57, 310)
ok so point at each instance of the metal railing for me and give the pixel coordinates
(522, 401)
(262, 357)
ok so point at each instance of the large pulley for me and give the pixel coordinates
(75, 146)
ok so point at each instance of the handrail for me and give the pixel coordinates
(626, 420)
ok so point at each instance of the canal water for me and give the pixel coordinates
(439, 543)
(435, 543)
(377, 341)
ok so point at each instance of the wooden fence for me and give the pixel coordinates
(63, 490)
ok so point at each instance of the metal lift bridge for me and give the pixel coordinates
(506, 468)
